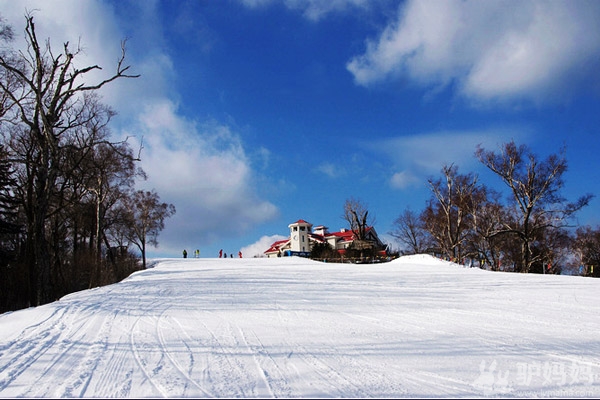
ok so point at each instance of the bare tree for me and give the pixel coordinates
(146, 219)
(356, 213)
(44, 92)
(587, 246)
(448, 216)
(409, 230)
(553, 249)
(535, 186)
(488, 215)
(110, 171)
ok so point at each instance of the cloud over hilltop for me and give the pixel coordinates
(203, 169)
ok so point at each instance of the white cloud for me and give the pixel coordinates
(89, 24)
(256, 3)
(313, 10)
(491, 50)
(414, 158)
(330, 170)
(403, 179)
(258, 248)
(204, 171)
(200, 167)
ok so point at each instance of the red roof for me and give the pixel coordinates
(319, 238)
(347, 235)
(275, 246)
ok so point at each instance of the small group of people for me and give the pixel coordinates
(221, 254)
(224, 255)
(196, 253)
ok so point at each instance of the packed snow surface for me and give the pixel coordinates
(291, 327)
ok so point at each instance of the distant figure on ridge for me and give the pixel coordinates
(220, 253)
(184, 253)
(240, 254)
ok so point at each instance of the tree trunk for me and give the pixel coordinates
(40, 263)
(38, 255)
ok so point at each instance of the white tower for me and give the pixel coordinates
(299, 235)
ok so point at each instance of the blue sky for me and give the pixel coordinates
(257, 113)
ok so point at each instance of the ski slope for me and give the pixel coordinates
(290, 327)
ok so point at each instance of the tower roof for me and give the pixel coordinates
(300, 222)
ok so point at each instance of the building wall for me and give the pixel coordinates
(299, 234)
(300, 238)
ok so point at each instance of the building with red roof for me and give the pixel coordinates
(303, 237)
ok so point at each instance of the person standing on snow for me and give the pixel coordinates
(220, 253)
(240, 254)
(184, 253)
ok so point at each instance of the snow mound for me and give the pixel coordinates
(421, 259)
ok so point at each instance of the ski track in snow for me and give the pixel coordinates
(256, 328)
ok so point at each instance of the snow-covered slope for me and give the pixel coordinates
(291, 327)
